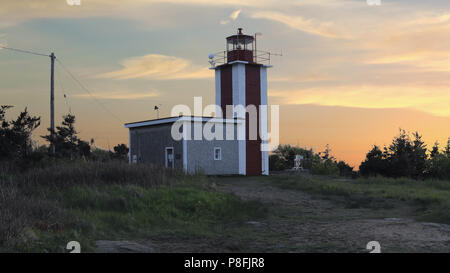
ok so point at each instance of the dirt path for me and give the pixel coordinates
(318, 225)
(300, 222)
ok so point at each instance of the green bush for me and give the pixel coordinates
(276, 163)
(439, 167)
(326, 167)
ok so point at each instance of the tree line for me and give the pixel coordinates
(406, 156)
(18, 149)
(322, 163)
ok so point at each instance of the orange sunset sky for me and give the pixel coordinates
(351, 73)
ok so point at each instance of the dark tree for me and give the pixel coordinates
(405, 157)
(121, 151)
(15, 135)
(435, 150)
(66, 142)
(447, 148)
(345, 169)
(327, 153)
(418, 156)
(375, 163)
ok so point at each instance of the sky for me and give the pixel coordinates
(350, 76)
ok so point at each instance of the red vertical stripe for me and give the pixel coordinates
(253, 97)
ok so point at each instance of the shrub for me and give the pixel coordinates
(15, 135)
(439, 167)
(276, 163)
(121, 151)
(326, 167)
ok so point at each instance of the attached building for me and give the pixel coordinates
(153, 142)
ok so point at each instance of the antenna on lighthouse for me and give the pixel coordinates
(211, 60)
(256, 50)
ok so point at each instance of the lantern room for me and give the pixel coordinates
(240, 47)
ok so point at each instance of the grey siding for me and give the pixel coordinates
(200, 155)
(149, 144)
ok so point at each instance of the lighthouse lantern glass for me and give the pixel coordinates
(240, 47)
(240, 43)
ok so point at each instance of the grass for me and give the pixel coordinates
(431, 198)
(43, 209)
(144, 211)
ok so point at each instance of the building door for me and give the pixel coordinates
(169, 157)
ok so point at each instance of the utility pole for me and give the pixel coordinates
(52, 102)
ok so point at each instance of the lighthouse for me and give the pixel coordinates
(241, 82)
(199, 143)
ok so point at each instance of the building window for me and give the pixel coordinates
(169, 157)
(217, 153)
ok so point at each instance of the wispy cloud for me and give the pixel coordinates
(158, 67)
(120, 95)
(307, 77)
(235, 14)
(14, 11)
(421, 42)
(423, 98)
(424, 59)
(324, 29)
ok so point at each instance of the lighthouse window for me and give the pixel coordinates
(217, 153)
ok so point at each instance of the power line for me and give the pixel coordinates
(59, 81)
(87, 90)
(70, 74)
(52, 88)
(24, 51)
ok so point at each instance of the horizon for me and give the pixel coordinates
(351, 74)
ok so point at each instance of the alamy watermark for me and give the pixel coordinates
(374, 246)
(239, 122)
(373, 2)
(74, 247)
(73, 2)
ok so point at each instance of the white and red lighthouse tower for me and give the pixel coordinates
(242, 81)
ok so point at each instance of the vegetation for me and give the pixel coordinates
(65, 140)
(15, 136)
(18, 152)
(43, 209)
(78, 193)
(431, 198)
(407, 157)
(85, 194)
(322, 163)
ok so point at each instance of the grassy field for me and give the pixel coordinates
(44, 209)
(430, 198)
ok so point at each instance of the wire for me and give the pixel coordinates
(24, 51)
(70, 74)
(59, 81)
(87, 90)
